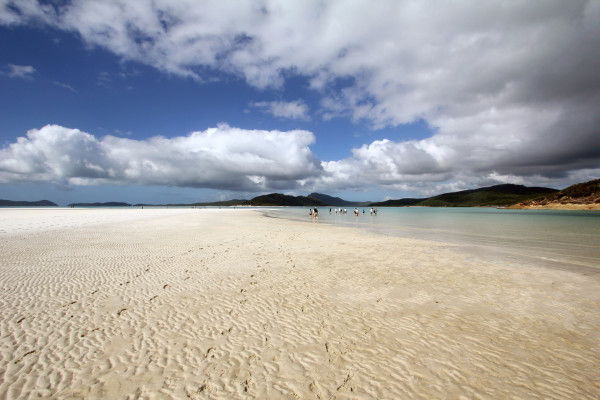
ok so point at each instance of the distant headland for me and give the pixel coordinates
(17, 203)
(584, 195)
(105, 204)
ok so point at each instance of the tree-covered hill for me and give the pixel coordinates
(498, 195)
(278, 199)
(397, 203)
(580, 194)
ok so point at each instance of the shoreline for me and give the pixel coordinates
(222, 304)
(485, 251)
(550, 206)
(558, 206)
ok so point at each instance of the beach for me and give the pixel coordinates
(229, 303)
(558, 206)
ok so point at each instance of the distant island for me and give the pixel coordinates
(106, 204)
(580, 196)
(39, 203)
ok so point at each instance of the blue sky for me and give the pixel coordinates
(383, 113)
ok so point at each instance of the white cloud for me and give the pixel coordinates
(234, 159)
(65, 86)
(511, 88)
(19, 71)
(223, 157)
(443, 162)
(282, 109)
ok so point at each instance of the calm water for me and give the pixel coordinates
(549, 237)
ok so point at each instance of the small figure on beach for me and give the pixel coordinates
(356, 212)
(314, 213)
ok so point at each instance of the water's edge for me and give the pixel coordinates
(538, 252)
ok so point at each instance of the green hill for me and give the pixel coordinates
(580, 194)
(336, 201)
(397, 203)
(278, 199)
(579, 191)
(498, 195)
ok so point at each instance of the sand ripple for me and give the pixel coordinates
(222, 305)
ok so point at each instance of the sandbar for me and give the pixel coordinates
(223, 304)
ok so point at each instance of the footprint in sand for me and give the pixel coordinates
(228, 331)
(93, 330)
(24, 355)
(346, 380)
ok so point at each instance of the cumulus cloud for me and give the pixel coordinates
(510, 88)
(282, 109)
(19, 71)
(234, 159)
(223, 157)
(446, 162)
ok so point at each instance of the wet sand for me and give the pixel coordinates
(221, 304)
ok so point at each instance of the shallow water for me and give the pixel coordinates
(549, 237)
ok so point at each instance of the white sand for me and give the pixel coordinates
(153, 304)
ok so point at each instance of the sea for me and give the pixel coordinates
(567, 239)
(564, 239)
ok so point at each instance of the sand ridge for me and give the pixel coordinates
(230, 304)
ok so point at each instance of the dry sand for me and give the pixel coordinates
(558, 206)
(160, 304)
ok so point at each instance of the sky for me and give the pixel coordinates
(168, 101)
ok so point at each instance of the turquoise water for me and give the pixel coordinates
(549, 237)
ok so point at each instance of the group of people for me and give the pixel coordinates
(339, 211)
(373, 211)
(314, 212)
